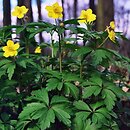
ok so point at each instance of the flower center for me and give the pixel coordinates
(56, 10)
(11, 48)
(19, 11)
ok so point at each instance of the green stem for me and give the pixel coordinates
(27, 46)
(103, 42)
(60, 49)
(60, 56)
(26, 40)
(52, 46)
(81, 69)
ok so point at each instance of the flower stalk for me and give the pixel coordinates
(60, 54)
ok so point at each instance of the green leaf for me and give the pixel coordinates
(10, 70)
(71, 21)
(4, 61)
(31, 108)
(22, 62)
(41, 95)
(2, 72)
(117, 90)
(82, 51)
(99, 55)
(81, 120)
(54, 83)
(96, 79)
(37, 31)
(20, 29)
(71, 77)
(104, 112)
(90, 126)
(98, 118)
(62, 115)
(73, 89)
(58, 100)
(46, 119)
(97, 105)
(89, 91)
(60, 85)
(21, 125)
(80, 105)
(60, 30)
(109, 98)
(82, 115)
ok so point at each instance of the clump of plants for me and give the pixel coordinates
(72, 87)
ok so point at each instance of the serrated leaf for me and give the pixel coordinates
(2, 72)
(22, 62)
(81, 120)
(82, 115)
(10, 70)
(118, 91)
(62, 115)
(90, 126)
(96, 79)
(4, 61)
(82, 51)
(46, 119)
(98, 118)
(52, 84)
(80, 105)
(58, 100)
(60, 85)
(99, 55)
(104, 112)
(41, 95)
(73, 89)
(109, 98)
(71, 77)
(96, 105)
(89, 91)
(30, 108)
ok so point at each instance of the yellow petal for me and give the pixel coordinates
(60, 15)
(6, 54)
(48, 8)
(38, 50)
(20, 16)
(91, 18)
(24, 9)
(10, 43)
(54, 11)
(5, 48)
(15, 53)
(111, 35)
(89, 11)
(16, 46)
(112, 25)
(14, 13)
(56, 4)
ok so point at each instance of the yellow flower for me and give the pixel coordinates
(87, 16)
(112, 25)
(38, 50)
(55, 11)
(67, 42)
(10, 49)
(19, 11)
(111, 35)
